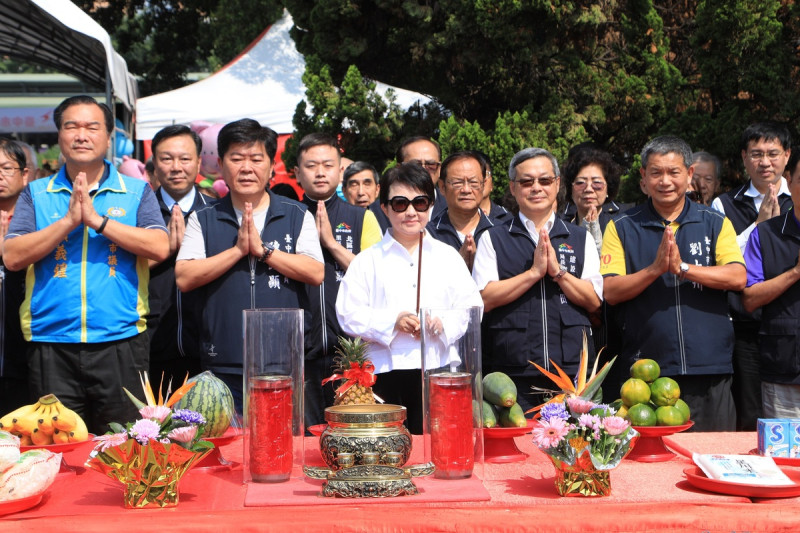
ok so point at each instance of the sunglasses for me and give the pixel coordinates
(399, 204)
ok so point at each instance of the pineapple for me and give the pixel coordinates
(352, 359)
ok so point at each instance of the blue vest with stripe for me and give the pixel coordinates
(88, 289)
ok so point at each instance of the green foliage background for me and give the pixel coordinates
(504, 74)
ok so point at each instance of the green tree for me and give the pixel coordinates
(364, 122)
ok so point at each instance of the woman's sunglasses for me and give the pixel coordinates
(400, 204)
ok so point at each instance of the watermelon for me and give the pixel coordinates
(211, 398)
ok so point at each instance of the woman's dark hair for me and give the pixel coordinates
(590, 155)
(15, 151)
(412, 175)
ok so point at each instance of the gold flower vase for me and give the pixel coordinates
(150, 473)
(581, 478)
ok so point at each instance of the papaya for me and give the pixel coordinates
(489, 415)
(499, 389)
(512, 417)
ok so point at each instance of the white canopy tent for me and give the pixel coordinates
(58, 34)
(263, 83)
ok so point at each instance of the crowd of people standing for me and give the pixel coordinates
(105, 278)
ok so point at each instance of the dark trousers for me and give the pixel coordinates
(746, 386)
(403, 387)
(89, 377)
(710, 401)
(174, 368)
(317, 396)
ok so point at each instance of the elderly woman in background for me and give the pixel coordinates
(591, 180)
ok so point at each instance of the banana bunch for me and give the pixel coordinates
(47, 421)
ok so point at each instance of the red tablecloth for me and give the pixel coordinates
(645, 497)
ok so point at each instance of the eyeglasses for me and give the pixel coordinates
(758, 156)
(9, 171)
(544, 181)
(460, 184)
(429, 165)
(597, 185)
(400, 204)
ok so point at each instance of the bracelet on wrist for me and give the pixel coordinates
(102, 225)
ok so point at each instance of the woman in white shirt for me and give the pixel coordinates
(378, 296)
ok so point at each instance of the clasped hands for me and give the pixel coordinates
(81, 209)
(545, 259)
(248, 241)
(668, 256)
(409, 323)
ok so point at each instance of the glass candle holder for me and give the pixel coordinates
(452, 390)
(273, 408)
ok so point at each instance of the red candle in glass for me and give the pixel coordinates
(452, 447)
(270, 421)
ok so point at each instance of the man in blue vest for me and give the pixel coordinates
(252, 249)
(773, 273)
(344, 230)
(539, 278)
(667, 264)
(462, 222)
(766, 148)
(173, 322)
(85, 235)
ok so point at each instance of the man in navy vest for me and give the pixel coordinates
(539, 278)
(173, 322)
(425, 152)
(462, 222)
(85, 236)
(344, 230)
(773, 273)
(667, 264)
(766, 148)
(251, 250)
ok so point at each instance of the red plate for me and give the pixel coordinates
(786, 461)
(697, 478)
(230, 435)
(59, 448)
(507, 433)
(662, 431)
(14, 506)
(317, 429)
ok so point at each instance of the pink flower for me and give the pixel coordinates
(615, 425)
(184, 434)
(550, 433)
(156, 412)
(144, 430)
(579, 406)
(109, 441)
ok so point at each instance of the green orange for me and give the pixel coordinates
(683, 407)
(642, 415)
(646, 370)
(665, 391)
(634, 391)
(668, 415)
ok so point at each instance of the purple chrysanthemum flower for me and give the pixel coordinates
(552, 411)
(188, 416)
(144, 430)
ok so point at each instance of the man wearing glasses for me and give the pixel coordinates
(766, 147)
(462, 222)
(539, 279)
(425, 152)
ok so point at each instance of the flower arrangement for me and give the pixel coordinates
(151, 454)
(583, 439)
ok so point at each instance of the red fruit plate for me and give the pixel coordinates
(15, 506)
(215, 460)
(786, 461)
(649, 446)
(698, 479)
(63, 449)
(499, 445)
(317, 429)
